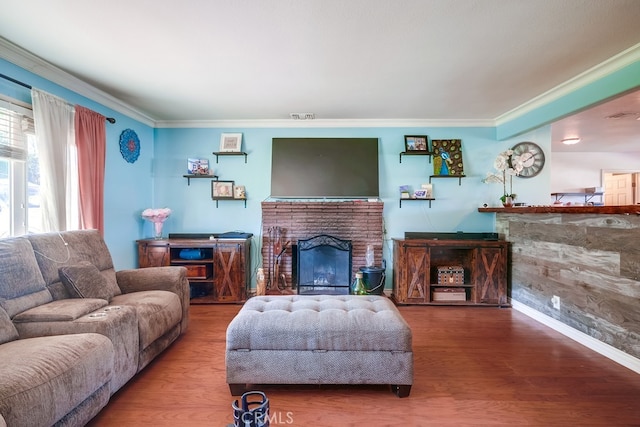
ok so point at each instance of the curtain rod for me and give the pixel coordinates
(18, 82)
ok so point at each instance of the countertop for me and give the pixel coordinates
(608, 210)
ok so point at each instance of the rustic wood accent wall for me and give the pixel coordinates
(358, 221)
(591, 261)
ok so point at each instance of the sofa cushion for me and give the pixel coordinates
(158, 312)
(21, 283)
(8, 332)
(83, 280)
(64, 310)
(55, 250)
(45, 378)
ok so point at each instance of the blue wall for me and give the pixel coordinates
(156, 179)
(455, 207)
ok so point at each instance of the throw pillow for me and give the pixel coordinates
(84, 280)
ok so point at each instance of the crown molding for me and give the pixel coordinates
(322, 123)
(36, 65)
(613, 64)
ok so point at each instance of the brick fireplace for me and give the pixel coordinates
(355, 220)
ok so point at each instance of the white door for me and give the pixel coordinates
(618, 190)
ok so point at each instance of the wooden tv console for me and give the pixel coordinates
(417, 262)
(221, 275)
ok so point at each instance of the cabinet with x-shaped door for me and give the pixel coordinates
(450, 272)
(218, 269)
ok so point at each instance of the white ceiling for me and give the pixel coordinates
(613, 125)
(371, 60)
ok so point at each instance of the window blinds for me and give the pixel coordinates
(15, 123)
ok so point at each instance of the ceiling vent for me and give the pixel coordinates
(302, 116)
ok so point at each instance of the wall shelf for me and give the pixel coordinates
(229, 198)
(448, 176)
(587, 196)
(417, 200)
(189, 177)
(230, 153)
(416, 153)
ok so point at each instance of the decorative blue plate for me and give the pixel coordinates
(129, 145)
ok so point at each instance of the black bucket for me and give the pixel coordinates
(251, 413)
(373, 278)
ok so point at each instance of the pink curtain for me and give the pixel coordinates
(91, 144)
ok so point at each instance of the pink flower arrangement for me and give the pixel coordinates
(157, 217)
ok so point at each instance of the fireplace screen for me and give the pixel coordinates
(324, 265)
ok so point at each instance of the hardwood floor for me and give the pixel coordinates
(473, 366)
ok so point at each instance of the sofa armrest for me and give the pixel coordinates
(172, 279)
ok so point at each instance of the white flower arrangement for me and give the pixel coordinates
(506, 165)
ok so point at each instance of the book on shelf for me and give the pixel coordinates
(404, 192)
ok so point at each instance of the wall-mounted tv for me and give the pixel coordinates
(324, 168)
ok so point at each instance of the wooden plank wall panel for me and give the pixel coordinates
(591, 261)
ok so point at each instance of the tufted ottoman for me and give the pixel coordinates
(319, 339)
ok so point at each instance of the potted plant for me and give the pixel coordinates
(506, 165)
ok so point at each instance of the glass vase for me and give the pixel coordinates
(157, 230)
(358, 287)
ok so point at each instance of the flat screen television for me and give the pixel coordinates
(324, 168)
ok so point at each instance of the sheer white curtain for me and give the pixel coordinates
(55, 136)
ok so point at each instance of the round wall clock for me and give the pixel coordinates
(129, 145)
(532, 158)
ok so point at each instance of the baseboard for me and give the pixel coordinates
(600, 347)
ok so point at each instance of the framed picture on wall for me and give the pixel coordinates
(222, 189)
(230, 142)
(198, 166)
(447, 157)
(415, 143)
(239, 192)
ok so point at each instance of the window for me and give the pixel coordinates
(19, 171)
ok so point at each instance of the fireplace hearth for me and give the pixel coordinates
(358, 221)
(324, 265)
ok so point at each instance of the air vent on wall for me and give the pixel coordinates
(302, 116)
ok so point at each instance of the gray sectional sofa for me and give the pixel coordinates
(73, 330)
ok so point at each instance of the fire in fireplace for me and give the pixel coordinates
(324, 265)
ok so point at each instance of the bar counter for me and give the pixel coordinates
(607, 210)
(588, 257)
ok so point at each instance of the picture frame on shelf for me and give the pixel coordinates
(239, 192)
(420, 194)
(230, 142)
(416, 143)
(197, 166)
(428, 188)
(447, 157)
(222, 189)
